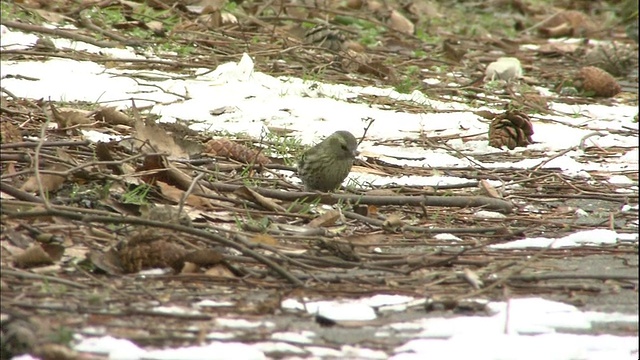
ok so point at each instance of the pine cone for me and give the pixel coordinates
(512, 128)
(596, 82)
(149, 249)
(232, 150)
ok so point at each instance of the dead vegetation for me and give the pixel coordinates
(79, 219)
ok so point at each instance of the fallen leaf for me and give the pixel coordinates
(399, 22)
(392, 222)
(175, 194)
(329, 218)
(265, 239)
(68, 117)
(488, 189)
(111, 115)
(9, 133)
(159, 140)
(263, 201)
(50, 182)
(39, 255)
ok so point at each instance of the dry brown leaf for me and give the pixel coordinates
(374, 6)
(453, 51)
(568, 23)
(68, 117)
(111, 115)
(9, 133)
(219, 216)
(213, 4)
(108, 262)
(175, 194)
(558, 48)
(188, 268)
(228, 18)
(392, 222)
(65, 156)
(156, 26)
(365, 239)
(219, 271)
(248, 194)
(55, 351)
(379, 69)
(399, 22)
(368, 170)
(486, 114)
(103, 153)
(51, 16)
(423, 9)
(353, 61)
(265, 239)
(381, 192)
(355, 4)
(472, 278)
(39, 255)
(489, 190)
(211, 19)
(10, 169)
(329, 218)
(131, 4)
(50, 182)
(159, 140)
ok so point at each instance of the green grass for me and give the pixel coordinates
(260, 225)
(302, 206)
(138, 195)
(285, 147)
(12, 11)
(410, 80)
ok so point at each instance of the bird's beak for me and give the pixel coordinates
(356, 153)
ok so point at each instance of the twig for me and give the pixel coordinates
(28, 275)
(58, 32)
(423, 230)
(180, 228)
(561, 153)
(85, 21)
(32, 144)
(370, 122)
(19, 194)
(333, 198)
(36, 162)
(186, 194)
(556, 276)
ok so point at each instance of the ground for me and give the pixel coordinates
(224, 216)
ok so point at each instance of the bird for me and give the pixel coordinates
(324, 166)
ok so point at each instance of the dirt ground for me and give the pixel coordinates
(75, 236)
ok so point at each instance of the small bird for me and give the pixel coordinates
(324, 166)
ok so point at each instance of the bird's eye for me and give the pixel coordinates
(344, 147)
